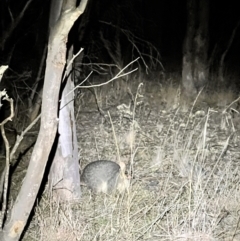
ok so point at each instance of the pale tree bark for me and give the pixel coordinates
(195, 50)
(64, 178)
(53, 76)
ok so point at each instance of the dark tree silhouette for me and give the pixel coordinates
(195, 60)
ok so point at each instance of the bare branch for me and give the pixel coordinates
(20, 138)
(71, 61)
(13, 25)
(119, 75)
(24, 10)
(221, 66)
(5, 174)
(135, 41)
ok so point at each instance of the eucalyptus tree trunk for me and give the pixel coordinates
(195, 49)
(64, 178)
(49, 117)
(188, 50)
(201, 68)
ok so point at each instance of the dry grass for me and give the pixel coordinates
(185, 181)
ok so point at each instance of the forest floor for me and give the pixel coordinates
(184, 160)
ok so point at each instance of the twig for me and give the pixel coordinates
(71, 61)
(224, 111)
(119, 75)
(221, 65)
(74, 57)
(9, 156)
(115, 138)
(39, 74)
(19, 138)
(5, 177)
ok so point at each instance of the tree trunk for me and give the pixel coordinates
(64, 178)
(195, 49)
(201, 46)
(52, 82)
(188, 51)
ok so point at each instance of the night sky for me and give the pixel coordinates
(161, 23)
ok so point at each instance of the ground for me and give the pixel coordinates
(182, 158)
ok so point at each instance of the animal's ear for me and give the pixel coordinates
(122, 166)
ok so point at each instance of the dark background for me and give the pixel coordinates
(161, 23)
